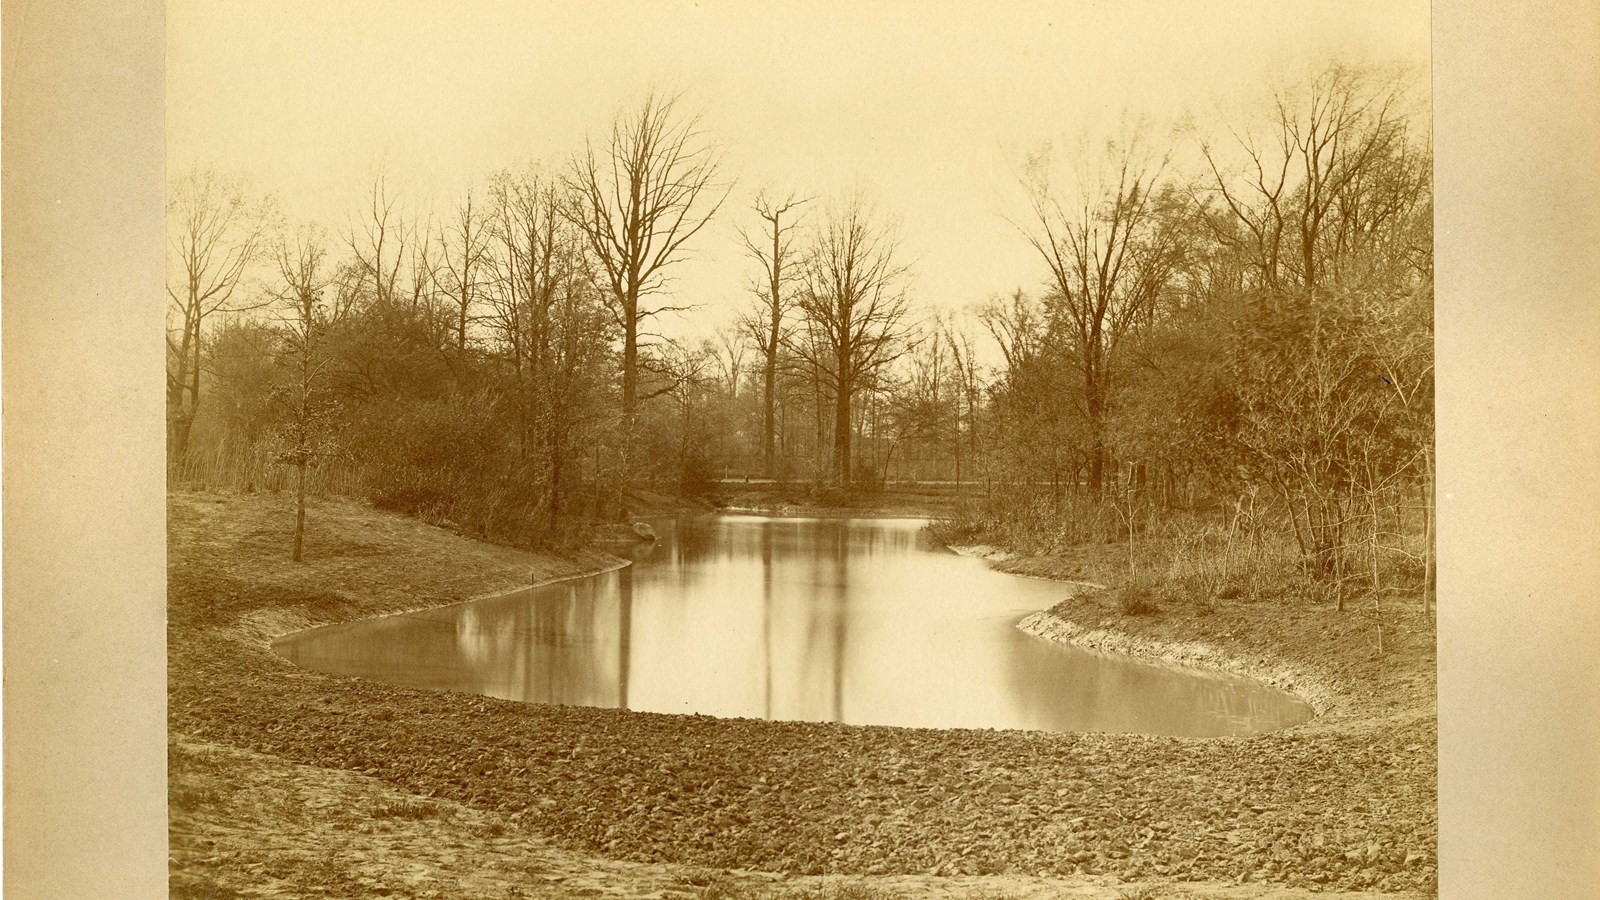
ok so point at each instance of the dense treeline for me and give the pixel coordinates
(1224, 356)
(1253, 339)
(463, 368)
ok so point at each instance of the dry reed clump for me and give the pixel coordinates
(250, 469)
(1194, 558)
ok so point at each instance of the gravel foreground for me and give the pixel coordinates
(665, 804)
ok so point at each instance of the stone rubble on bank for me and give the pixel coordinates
(1051, 627)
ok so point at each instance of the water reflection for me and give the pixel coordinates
(823, 620)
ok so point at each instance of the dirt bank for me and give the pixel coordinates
(272, 764)
(1330, 658)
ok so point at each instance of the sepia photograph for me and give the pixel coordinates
(599, 464)
(795, 452)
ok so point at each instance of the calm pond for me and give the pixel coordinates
(837, 620)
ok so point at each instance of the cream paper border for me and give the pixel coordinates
(1518, 180)
(1517, 116)
(84, 538)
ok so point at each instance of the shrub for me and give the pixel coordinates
(412, 500)
(955, 532)
(1138, 598)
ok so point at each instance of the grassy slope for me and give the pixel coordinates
(1345, 806)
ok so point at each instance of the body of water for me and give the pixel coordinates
(841, 620)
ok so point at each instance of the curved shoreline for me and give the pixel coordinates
(1042, 624)
(1286, 807)
(1329, 678)
(271, 639)
(1318, 695)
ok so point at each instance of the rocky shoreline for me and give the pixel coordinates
(1342, 803)
(1047, 625)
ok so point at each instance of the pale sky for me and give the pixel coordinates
(919, 106)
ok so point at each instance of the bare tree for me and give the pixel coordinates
(545, 320)
(1109, 258)
(531, 252)
(765, 323)
(679, 372)
(920, 400)
(424, 283)
(304, 395)
(1291, 200)
(969, 388)
(728, 349)
(1327, 203)
(637, 200)
(464, 248)
(378, 244)
(214, 233)
(1017, 325)
(854, 305)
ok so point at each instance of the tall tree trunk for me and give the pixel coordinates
(300, 507)
(181, 420)
(178, 428)
(630, 358)
(769, 404)
(178, 418)
(630, 392)
(775, 326)
(194, 395)
(523, 419)
(957, 443)
(841, 434)
(1097, 448)
(821, 439)
(557, 454)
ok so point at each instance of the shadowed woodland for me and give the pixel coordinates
(1220, 368)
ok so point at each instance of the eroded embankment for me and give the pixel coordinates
(1346, 807)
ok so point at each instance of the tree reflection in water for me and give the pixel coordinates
(825, 620)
